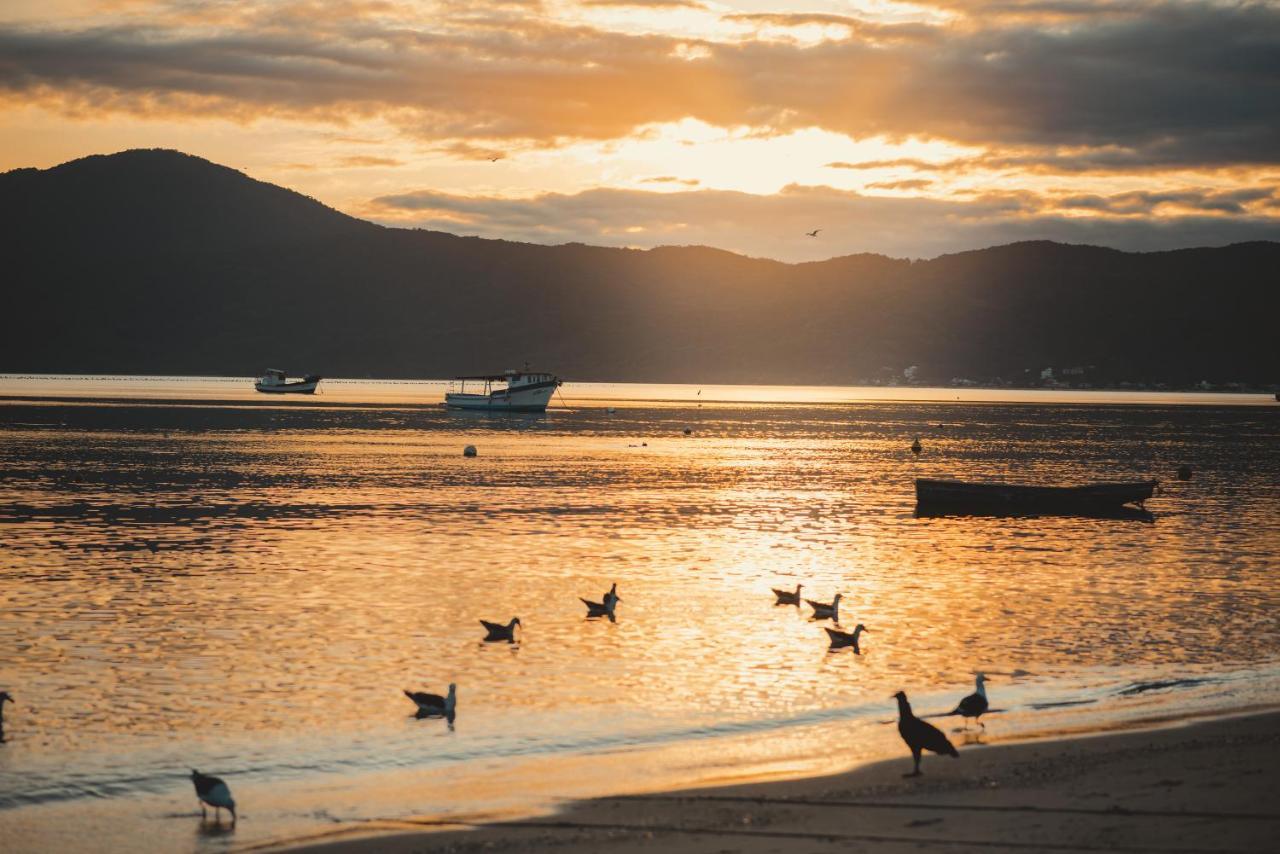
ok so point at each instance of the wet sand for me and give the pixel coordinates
(1208, 786)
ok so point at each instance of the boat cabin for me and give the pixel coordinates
(507, 381)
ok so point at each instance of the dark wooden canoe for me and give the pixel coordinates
(1014, 497)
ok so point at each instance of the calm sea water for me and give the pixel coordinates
(246, 589)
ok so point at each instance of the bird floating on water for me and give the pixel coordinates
(919, 735)
(826, 610)
(841, 639)
(433, 705)
(1184, 472)
(605, 608)
(975, 705)
(786, 597)
(916, 447)
(499, 632)
(214, 792)
(612, 594)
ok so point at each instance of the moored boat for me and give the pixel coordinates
(274, 381)
(1090, 497)
(511, 391)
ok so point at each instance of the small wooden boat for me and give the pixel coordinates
(1091, 497)
(274, 381)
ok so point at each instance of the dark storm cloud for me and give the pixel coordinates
(1174, 83)
(1145, 203)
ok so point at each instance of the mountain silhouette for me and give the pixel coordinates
(155, 261)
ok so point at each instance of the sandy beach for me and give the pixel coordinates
(1205, 786)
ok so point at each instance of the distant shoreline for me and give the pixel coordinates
(1207, 785)
(138, 390)
(1123, 387)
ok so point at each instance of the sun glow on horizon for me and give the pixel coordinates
(934, 116)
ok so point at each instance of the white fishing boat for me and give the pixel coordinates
(275, 381)
(511, 391)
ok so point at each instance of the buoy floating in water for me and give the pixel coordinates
(688, 431)
(469, 451)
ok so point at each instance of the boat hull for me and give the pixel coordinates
(528, 399)
(300, 387)
(1092, 497)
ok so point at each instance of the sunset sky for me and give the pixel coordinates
(910, 129)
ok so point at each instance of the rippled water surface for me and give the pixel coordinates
(247, 589)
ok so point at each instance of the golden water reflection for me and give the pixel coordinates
(250, 591)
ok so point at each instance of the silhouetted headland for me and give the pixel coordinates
(153, 261)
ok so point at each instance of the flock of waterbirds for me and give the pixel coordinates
(919, 735)
(916, 733)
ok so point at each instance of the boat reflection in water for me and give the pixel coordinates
(1128, 514)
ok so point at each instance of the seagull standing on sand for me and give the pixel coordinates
(920, 736)
(214, 792)
(785, 597)
(975, 705)
(499, 632)
(826, 610)
(841, 639)
(433, 705)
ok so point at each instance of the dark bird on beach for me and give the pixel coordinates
(920, 736)
(916, 447)
(975, 705)
(785, 597)
(499, 632)
(813, 233)
(433, 705)
(214, 792)
(841, 639)
(826, 610)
